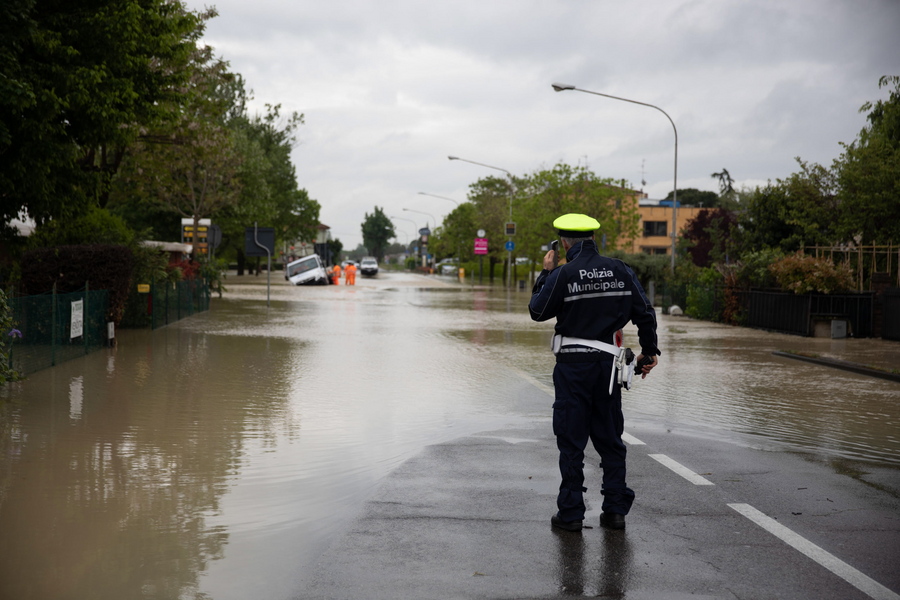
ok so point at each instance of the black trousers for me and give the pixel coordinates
(585, 410)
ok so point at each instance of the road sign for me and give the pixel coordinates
(481, 245)
(480, 233)
(510, 246)
(266, 237)
(510, 229)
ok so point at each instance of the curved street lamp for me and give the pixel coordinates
(433, 220)
(441, 197)
(512, 187)
(562, 87)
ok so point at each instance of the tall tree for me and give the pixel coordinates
(869, 173)
(457, 234)
(726, 183)
(792, 213)
(695, 197)
(377, 232)
(78, 82)
(709, 236)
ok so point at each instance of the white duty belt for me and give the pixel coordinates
(620, 362)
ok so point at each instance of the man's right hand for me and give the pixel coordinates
(550, 262)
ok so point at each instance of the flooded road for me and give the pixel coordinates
(217, 457)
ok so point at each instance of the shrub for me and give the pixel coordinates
(7, 331)
(752, 269)
(104, 267)
(803, 274)
(98, 226)
(701, 300)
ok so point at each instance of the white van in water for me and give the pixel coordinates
(306, 271)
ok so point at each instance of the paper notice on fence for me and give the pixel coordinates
(77, 318)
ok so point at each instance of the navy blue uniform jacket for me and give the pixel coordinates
(592, 297)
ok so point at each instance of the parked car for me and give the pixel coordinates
(447, 266)
(368, 266)
(308, 270)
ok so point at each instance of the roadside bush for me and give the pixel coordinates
(98, 226)
(752, 270)
(701, 296)
(647, 267)
(70, 268)
(803, 274)
(7, 331)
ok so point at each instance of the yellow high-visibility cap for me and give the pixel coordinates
(575, 225)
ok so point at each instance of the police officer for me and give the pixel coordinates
(592, 298)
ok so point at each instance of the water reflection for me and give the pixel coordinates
(108, 485)
(582, 570)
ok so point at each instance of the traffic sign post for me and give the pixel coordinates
(481, 248)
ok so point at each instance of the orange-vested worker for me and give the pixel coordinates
(336, 274)
(350, 274)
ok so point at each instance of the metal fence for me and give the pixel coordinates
(786, 312)
(53, 328)
(165, 303)
(890, 310)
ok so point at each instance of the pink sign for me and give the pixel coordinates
(481, 246)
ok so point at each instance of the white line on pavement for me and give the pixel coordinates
(631, 440)
(539, 385)
(680, 469)
(852, 576)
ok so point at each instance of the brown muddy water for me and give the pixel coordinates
(216, 458)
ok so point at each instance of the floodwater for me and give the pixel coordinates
(216, 458)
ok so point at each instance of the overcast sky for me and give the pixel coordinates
(390, 88)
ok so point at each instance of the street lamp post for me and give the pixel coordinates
(512, 186)
(433, 220)
(441, 197)
(561, 87)
(459, 243)
(415, 227)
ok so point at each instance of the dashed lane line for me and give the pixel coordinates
(857, 579)
(680, 469)
(631, 440)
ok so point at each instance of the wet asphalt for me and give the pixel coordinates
(471, 519)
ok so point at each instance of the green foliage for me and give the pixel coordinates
(752, 270)
(703, 301)
(78, 82)
(97, 226)
(213, 272)
(455, 237)
(804, 274)
(708, 236)
(695, 197)
(377, 231)
(7, 332)
(70, 268)
(792, 213)
(869, 174)
(535, 201)
(547, 194)
(647, 267)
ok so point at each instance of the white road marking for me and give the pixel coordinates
(631, 440)
(680, 469)
(860, 581)
(538, 384)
